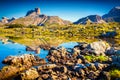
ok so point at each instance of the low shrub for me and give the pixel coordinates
(115, 73)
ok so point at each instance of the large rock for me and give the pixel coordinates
(105, 75)
(26, 59)
(115, 58)
(79, 66)
(32, 48)
(111, 51)
(91, 75)
(9, 72)
(59, 52)
(117, 52)
(46, 66)
(100, 66)
(30, 74)
(99, 47)
(115, 61)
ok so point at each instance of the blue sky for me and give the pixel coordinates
(66, 9)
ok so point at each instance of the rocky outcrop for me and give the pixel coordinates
(33, 17)
(29, 74)
(63, 73)
(47, 66)
(76, 66)
(90, 19)
(35, 49)
(95, 48)
(99, 47)
(34, 12)
(26, 59)
(113, 15)
(17, 64)
(65, 65)
(8, 72)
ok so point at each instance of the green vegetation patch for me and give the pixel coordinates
(115, 73)
(92, 58)
(57, 34)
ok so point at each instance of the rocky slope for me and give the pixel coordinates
(64, 64)
(33, 17)
(91, 19)
(113, 15)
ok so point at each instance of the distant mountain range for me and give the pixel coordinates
(33, 17)
(112, 16)
(91, 19)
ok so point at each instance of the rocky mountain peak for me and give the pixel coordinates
(34, 12)
(4, 20)
(90, 18)
(117, 7)
(7, 20)
(94, 18)
(37, 11)
(115, 11)
(33, 17)
(113, 15)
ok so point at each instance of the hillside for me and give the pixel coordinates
(33, 17)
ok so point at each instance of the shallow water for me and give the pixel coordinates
(69, 44)
(14, 49)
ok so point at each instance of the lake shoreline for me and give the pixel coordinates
(84, 60)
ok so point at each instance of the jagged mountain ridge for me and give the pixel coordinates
(113, 15)
(91, 19)
(36, 11)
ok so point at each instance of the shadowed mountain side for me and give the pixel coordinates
(113, 15)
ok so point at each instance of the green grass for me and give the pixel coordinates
(101, 58)
(92, 58)
(89, 58)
